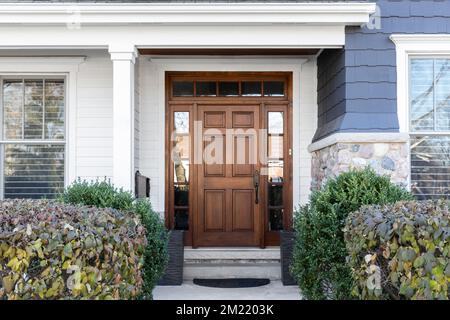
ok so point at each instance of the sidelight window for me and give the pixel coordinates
(181, 156)
(275, 165)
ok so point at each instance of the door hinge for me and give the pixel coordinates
(290, 151)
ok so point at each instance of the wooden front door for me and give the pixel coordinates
(229, 170)
(228, 202)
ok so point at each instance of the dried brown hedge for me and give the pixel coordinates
(50, 250)
(401, 250)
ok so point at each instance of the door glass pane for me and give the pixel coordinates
(275, 124)
(275, 170)
(33, 104)
(422, 95)
(251, 88)
(183, 88)
(181, 219)
(275, 147)
(275, 195)
(33, 171)
(181, 122)
(181, 162)
(442, 93)
(275, 219)
(273, 88)
(54, 109)
(228, 89)
(12, 109)
(181, 195)
(206, 89)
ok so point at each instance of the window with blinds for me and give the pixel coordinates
(430, 127)
(33, 137)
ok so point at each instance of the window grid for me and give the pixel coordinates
(43, 142)
(430, 149)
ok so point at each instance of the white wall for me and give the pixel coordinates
(94, 117)
(152, 115)
(307, 126)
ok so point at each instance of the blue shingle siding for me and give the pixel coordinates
(366, 68)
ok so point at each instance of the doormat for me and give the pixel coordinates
(232, 282)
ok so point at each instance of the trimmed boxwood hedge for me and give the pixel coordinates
(51, 250)
(103, 194)
(319, 259)
(400, 251)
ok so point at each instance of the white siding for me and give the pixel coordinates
(152, 117)
(307, 126)
(136, 117)
(94, 117)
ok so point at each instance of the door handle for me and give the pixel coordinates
(256, 185)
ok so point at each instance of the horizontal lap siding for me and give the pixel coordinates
(94, 117)
(358, 93)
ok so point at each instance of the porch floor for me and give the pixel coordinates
(189, 291)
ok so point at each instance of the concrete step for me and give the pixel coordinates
(232, 253)
(213, 263)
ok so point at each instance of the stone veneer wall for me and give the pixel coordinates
(385, 158)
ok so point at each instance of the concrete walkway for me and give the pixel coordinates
(189, 291)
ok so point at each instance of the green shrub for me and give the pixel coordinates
(319, 259)
(156, 255)
(50, 250)
(400, 251)
(103, 194)
(100, 194)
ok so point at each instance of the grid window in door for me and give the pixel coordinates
(33, 137)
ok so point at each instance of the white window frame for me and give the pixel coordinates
(41, 67)
(4, 141)
(408, 46)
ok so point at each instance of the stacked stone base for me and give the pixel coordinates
(386, 158)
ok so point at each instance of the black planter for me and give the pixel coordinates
(286, 250)
(174, 271)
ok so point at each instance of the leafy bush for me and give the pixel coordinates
(103, 194)
(400, 251)
(56, 251)
(100, 194)
(319, 260)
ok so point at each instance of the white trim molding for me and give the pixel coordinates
(407, 45)
(358, 137)
(352, 13)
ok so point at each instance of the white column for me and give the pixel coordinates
(123, 58)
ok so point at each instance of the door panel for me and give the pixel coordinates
(228, 214)
(215, 210)
(243, 211)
